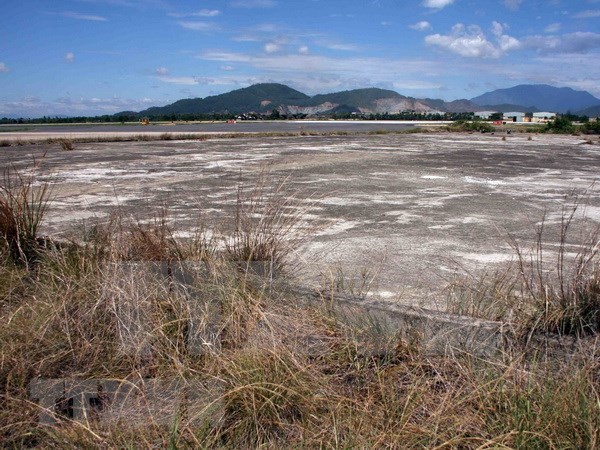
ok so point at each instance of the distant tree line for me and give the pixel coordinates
(272, 115)
(118, 118)
(405, 115)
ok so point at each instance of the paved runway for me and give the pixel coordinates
(41, 132)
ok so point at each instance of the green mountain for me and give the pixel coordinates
(355, 98)
(266, 97)
(258, 97)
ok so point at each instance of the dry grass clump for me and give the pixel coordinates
(22, 209)
(267, 223)
(66, 144)
(554, 290)
(131, 303)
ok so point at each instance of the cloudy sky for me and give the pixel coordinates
(86, 57)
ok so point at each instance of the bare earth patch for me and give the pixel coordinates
(412, 208)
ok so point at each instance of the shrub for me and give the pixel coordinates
(478, 126)
(560, 125)
(591, 127)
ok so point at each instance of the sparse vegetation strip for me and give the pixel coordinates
(128, 301)
(201, 136)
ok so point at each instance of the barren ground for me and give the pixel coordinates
(412, 209)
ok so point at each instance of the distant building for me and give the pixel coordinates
(543, 117)
(485, 115)
(513, 116)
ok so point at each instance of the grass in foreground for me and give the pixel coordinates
(290, 374)
(551, 288)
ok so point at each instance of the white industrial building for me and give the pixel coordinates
(542, 117)
(485, 115)
(513, 116)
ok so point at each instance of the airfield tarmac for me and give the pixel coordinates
(414, 210)
(40, 132)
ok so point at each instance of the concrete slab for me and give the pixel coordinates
(411, 210)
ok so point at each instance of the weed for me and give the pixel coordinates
(490, 295)
(532, 296)
(358, 286)
(267, 220)
(66, 144)
(22, 209)
(569, 301)
(462, 125)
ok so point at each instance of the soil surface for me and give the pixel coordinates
(412, 211)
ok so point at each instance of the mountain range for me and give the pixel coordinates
(266, 97)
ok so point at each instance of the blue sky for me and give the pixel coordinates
(87, 57)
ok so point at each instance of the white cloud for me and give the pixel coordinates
(471, 41)
(162, 71)
(253, 3)
(78, 16)
(198, 26)
(208, 13)
(552, 28)
(201, 13)
(317, 67)
(227, 68)
(3, 68)
(271, 47)
(32, 106)
(506, 43)
(415, 85)
(437, 4)
(497, 28)
(423, 25)
(303, 50)
(69, 57)
(186, 81)
(197, 81)
(127, 3)
(578, 42)
(589, 14)
(512, 4)
(341, 47)
(246, 38)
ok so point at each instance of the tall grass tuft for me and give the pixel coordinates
(547, 289)
(23, 206)
(66, 144)
(267, 223)
(566, 299)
